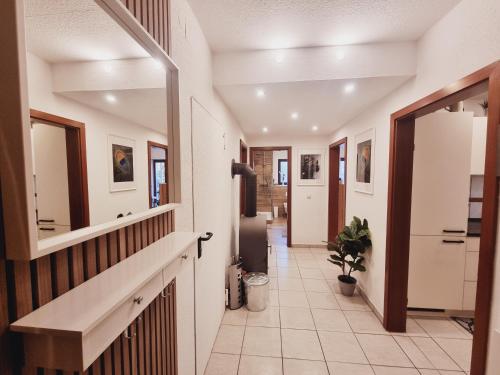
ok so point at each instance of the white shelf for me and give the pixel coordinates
(70, 332)
(68, 239)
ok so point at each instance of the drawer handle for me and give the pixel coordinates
(48, 229)
(185, 256)
(451, 241)
(453, 231)
(138, 300)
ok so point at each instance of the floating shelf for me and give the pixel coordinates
(70, 332)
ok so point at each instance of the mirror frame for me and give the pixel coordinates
(16, 169)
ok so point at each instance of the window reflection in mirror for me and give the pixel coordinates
(98, 118)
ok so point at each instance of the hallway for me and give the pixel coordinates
(309, 328)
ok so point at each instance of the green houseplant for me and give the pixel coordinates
(348, 249)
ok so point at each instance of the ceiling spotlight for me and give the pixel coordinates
(294, 115)
(315, 128)
(349, 88)
(110, 98)
(265, 130)
(260, 93)
(340, 54)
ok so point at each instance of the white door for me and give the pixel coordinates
(211, 192)
(441, 173)
(436, 275)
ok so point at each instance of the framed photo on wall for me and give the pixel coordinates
(311, 164)
(365, 152)
(121, 152)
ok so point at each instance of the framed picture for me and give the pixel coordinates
(121, 163)
(365, 162)
(311, 167)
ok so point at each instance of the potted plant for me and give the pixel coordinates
(348, 248)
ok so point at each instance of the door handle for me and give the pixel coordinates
(453, 231)
(453, 241)
(203, 239)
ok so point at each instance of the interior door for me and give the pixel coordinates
(211, 192)
(441, 173)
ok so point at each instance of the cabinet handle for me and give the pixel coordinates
(46, 221)
(185, 256)
(138, 300)
(48, 229)
(452, 241)
(453, 231)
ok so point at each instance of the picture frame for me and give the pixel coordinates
(120, 155)
(311, 167)
(365, 162)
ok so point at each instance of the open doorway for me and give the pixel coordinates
(273, 168)
(449, 232)
(60, 174)
(157, 174)
(337, 188)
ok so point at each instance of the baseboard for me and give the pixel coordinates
(369, 303)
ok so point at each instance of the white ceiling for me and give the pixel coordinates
(76, 30)
(275, 24)
(320, 103)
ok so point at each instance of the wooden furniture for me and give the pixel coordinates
(70, 332)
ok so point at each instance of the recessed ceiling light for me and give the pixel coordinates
(265, 130)
(340, 54)
(110, 98)
(314, 128)
(294, 115)
(349, 88)
(260, 93)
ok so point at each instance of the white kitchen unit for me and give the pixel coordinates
(73, 330)
(471, 272)
(479, 128)
(440, 207)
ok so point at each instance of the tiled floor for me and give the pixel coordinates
(310, 329)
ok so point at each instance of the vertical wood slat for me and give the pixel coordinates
(140, 345)
(112, 248)
(147, 341)
(152, 336)
(122, 244)
(90, 259)
(159, 348)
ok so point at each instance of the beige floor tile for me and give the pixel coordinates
(341, 347)
(302, 256)
(355, 303)
(289, 272)
(250, 365)
(290, 284)
(301, 250)
(235, 317)
(442, 328)
(418, 358)
(311, 273)
(301, 344)
(273, 283)
(303, 367)
(427, 371)
(270, 317)
(383, 350)
(284, 254)
(272, 272)
(331, 271)
(229, 339)
(272, 262)
(339, 368)
(320, 300)
(412, 329)
(308, 263)
(438, 357)
(459, 350)
(315, 285)
(382, 370)
(286, 262)
(293, 299)
(222, 364)
(330, 320)
(262, 341)
(364, 322)
(296, 318)
(274, 299)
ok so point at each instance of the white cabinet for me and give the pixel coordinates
(478, 154)
(441, 173)
(436, 275)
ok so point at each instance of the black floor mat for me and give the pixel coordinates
(465, 323)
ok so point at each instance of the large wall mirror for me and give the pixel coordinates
(99, 113)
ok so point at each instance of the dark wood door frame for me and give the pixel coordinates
(333, 186)
(289, 186)
(399, 205)
(152, 144)
(77, 165)
(243, 159)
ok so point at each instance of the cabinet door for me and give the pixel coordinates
(441, 173)
(436, 275)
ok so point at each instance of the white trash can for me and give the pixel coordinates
(256, 290)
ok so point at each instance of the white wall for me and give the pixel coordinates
(309, 203)
(463, 41)
(103, 205)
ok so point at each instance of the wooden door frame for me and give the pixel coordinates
(399, 205)
(77, 165)
(333, 186)
(243, 159)
(289, 186)
(152, 144)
